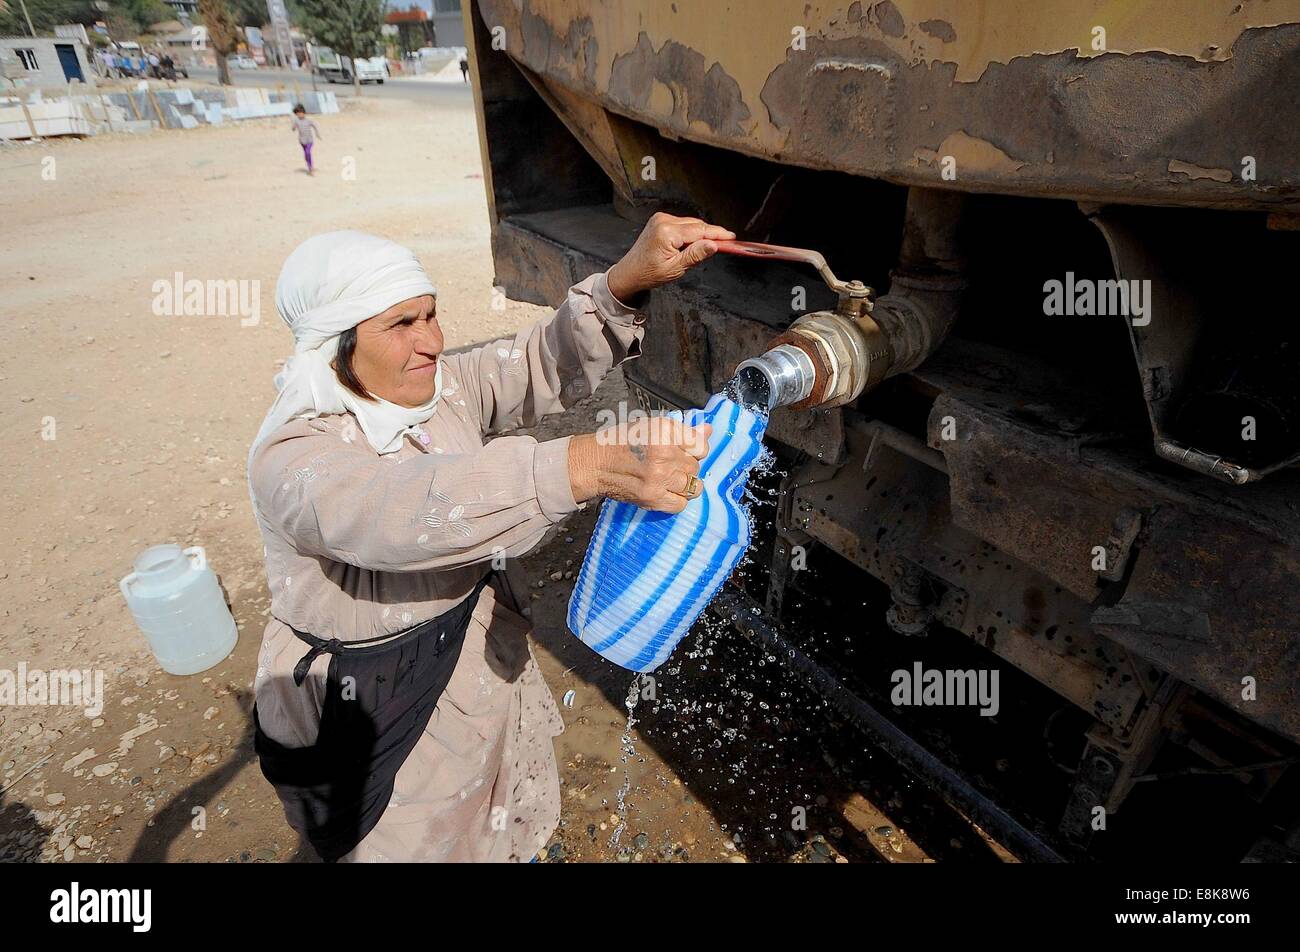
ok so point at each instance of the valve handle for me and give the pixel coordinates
(758, 249)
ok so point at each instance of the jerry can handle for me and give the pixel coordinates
(125, 584)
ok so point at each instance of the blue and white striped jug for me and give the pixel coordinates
(648, 575)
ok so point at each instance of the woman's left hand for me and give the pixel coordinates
(665, 250)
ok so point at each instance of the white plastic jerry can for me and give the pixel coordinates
(178, 604)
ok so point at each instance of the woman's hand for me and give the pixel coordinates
(651, 462)
(665, 250)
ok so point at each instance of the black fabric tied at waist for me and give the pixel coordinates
(379, 698)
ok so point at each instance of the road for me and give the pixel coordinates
(423, 91)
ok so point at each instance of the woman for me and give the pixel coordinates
(399, 711)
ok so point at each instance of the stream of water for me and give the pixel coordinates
(744, 501)
(629, 751)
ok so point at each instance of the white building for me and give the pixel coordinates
(43, 61)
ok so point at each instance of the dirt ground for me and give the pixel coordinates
(151, 416)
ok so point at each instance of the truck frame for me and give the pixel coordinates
(1084, 223)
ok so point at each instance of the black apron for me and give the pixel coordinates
(378, 700)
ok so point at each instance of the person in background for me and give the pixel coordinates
(307, 133)
(153, 66)
(464, 69)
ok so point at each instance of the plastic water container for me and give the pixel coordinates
(178, 604)
(648, 575)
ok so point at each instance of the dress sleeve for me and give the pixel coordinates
(549, 365)
(340, 500)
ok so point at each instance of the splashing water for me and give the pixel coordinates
(629, 751)
(639, 566)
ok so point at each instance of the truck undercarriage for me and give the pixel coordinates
(1102, 498)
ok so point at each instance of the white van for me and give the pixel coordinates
(335, 68)
(372, 70)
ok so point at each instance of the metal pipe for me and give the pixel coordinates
(827, 359)
(903, 442)
(925, 287)
(1202, 462)
(777, 378)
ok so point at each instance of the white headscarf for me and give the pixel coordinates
(331, 283)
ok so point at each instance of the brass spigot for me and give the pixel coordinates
(825, 358)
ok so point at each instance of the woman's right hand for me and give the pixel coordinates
(649, 462)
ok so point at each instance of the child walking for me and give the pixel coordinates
(307, 133)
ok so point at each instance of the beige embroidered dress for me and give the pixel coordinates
(360, 545)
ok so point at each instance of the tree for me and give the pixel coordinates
(350, 28)
(223, 34)
(131, 16)
(44, 14)
(145, 13)
(249, 12)
(120, 25)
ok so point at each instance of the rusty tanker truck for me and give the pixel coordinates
(1020, 300)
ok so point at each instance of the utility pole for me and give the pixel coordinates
(28, 17)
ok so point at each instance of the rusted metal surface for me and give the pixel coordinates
(1110, 765)
(1213, 601)
(890, 513)
(1019, 490)
(1014, 94)
(531, 167)
(1210, 581)
(591, 126)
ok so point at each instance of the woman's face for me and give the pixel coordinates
(396, 357)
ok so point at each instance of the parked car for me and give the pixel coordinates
(239, 61)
